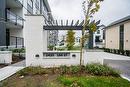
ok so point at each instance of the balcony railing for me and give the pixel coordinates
(16, 41)
(20, 1)
(17, 20)
(29, 9)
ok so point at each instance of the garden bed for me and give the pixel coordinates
(3, 65)
(93, 75)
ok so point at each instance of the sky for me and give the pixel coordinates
(110, 11)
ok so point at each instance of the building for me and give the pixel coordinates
(12, 17)
(118, 34)
(53, 38)
(77, 41)
(99, 38)
(12, 22)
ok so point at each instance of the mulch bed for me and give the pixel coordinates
(3, 65)
(16, 59)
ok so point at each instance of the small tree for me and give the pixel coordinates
(70, 39)
(92, 7)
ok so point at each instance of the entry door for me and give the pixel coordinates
(7, 37)
(121, 37)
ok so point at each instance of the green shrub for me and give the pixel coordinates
(128, 52)
(32, 71)
(100, 70)
(64, 69)
(118, 51)
(22, 50)
(74, 69)
(115, 51)
(122, 52)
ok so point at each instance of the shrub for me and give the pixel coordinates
(100, 70)
(128, 52)
(106, 49)
(115, 51)
(64, 69)
(118, 51)
(22, 50)
(32, 71)
(122, 52)
(74, 69)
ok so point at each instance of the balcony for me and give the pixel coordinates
(14, 3)
(13, 20)
(16, 42)
(29, 9)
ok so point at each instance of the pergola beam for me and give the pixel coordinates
(76, 24)
(63, 27)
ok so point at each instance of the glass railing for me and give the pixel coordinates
(29, 9)
(11, 17)
(16, 41)
(20, 1)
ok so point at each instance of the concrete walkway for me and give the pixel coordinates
(10, 70)
(122, 65)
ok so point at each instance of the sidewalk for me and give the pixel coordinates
(10, 70)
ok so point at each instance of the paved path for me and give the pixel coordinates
(122, 65)
(10, 70)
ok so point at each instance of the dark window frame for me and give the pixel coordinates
(121, 37)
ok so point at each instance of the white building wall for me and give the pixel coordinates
(5, 57)
(112, 37)
(36, 38)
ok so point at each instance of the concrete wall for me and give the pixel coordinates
(5, 57)
(36, 44)
(55, 62)
(36, 38)
(127, 36)
(112, 37)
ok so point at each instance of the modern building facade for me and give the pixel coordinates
(118, 34)
(12, 22)
(12, 19)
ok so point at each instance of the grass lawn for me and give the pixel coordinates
(94, 81)
(64, 81)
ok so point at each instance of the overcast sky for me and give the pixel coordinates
(111, 10)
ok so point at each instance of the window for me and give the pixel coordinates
(98, 31)
(97, 39)
(121, 37)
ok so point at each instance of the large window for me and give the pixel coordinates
(121, 37)
(30, 7)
